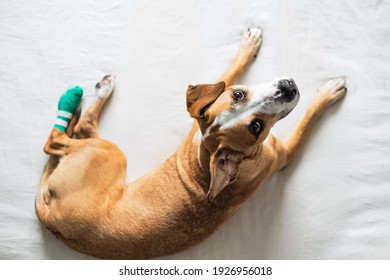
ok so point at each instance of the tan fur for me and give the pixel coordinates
(85, 202)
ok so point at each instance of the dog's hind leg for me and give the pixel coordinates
(56, 146)
(249, 47)
(73, 122)
(87, 127)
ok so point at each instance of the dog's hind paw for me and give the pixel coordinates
(67, 106)
(105, 87)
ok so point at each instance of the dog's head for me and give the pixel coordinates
(234, 121)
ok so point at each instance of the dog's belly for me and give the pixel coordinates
(133, 235)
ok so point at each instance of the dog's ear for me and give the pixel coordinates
(224, 166)
(199, 97)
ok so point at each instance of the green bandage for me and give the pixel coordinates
(68, 104)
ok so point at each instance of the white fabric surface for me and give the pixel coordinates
(332, 202)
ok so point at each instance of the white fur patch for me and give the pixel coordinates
(102, 92)
(260, 102)
(199, 138)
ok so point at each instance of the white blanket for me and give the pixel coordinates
(332, 202)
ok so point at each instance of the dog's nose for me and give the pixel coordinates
(288, 89)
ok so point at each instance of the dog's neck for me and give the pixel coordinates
(193, 163)
(193, 172)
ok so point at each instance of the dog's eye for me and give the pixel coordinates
(256, 127)
(238, 95)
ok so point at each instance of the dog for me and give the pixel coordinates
(84, 198)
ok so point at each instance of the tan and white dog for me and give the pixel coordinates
(84, 198)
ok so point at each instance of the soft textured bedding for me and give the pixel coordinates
(332, 202)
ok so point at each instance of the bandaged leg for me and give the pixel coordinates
(67, 106)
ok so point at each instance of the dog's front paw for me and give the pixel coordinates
(105, 87)
(250, 43)
(333, 90)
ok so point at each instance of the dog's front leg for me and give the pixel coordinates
(330, 93)
(249, 47)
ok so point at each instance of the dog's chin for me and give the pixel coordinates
(292, 104)
(284, 114)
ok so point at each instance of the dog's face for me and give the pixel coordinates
(234, 121)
